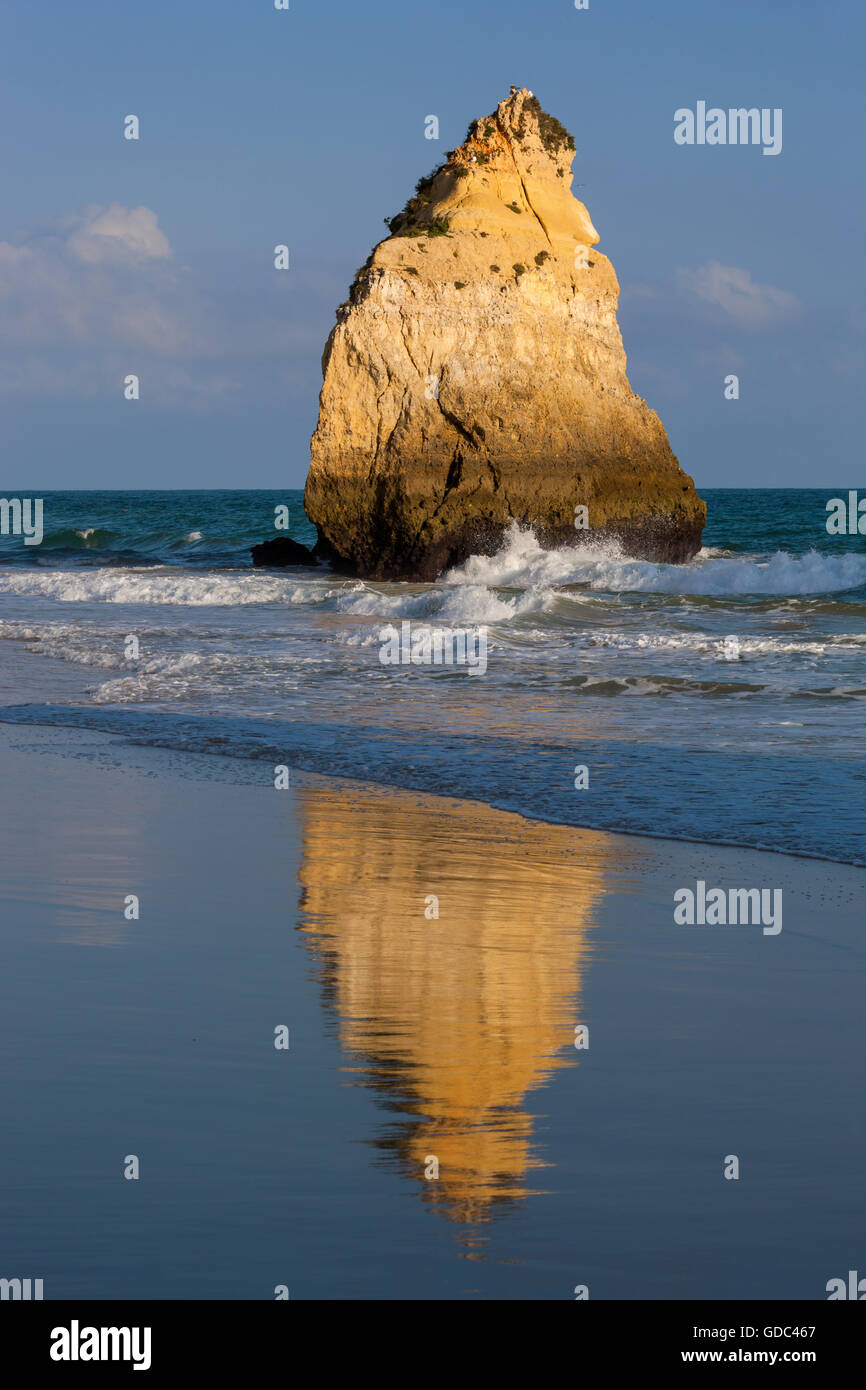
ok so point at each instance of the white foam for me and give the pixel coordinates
(704, 642)
(468, 603)
(148, 586)
(523, 564)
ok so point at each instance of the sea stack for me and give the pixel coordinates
(476, 377)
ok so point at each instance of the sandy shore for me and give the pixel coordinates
(432, 960)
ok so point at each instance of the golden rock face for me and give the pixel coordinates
(476, 376)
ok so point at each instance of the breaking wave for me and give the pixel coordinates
(213, 589)
(520, 579)
(523, 564)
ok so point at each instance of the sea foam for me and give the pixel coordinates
(521, 563)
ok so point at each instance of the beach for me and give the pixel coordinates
(412, 1037)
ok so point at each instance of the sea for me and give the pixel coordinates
(719, 701)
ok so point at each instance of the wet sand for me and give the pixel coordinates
(432, 1131)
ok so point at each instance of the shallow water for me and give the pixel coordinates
(595, 660)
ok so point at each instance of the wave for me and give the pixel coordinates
(259, 668)
(215, 540)
(703, 642)
(130, 586)
(519, 581)
(89, 538)
(523, 564)
(470, 604)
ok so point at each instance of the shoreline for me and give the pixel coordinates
(87, 718)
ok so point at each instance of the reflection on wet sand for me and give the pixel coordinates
(453, 1021)
(86, 878)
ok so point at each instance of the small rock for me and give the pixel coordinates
(282, 551)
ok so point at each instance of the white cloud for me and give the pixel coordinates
(99, 295)
(734, 291)
(102, 279)
(118, 233)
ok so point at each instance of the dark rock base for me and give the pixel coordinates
(281, 552)
(656, 538)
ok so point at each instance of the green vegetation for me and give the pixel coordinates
(554, 135)
(518, 269)
(512, 207)
(475, 132)
(460, 284)
(405, 223)
(494, 267)
(424, 185)
(361, 275)
(542, 257)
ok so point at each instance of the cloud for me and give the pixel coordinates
(99, 278)
(100, 294)
(736, 294)
(118, 234)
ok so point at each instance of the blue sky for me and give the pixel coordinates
(306, 127)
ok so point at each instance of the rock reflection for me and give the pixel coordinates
(451, 1021)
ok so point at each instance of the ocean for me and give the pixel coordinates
(719, 701)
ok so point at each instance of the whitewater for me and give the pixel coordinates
(720, 700)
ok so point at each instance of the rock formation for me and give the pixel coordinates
(476, 376)
(282, 551)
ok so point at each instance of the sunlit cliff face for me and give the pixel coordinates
(476, 376)
(452, 1020)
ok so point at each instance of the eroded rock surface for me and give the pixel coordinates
(476, 376)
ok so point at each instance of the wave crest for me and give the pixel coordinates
(521, 563)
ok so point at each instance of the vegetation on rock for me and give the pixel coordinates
(554, 135)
